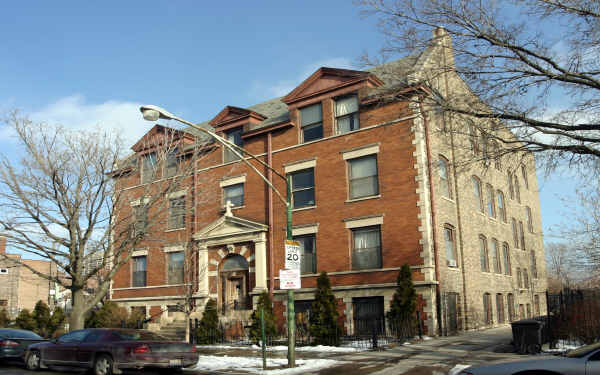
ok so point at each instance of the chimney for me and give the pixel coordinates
(2, 245)
(443, 40)
(439, 32)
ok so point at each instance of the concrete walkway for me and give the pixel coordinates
(437, 355)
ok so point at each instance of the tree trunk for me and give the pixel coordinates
(77, 318)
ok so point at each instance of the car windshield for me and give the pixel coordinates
(17, 334)
(139, 336)
(583, 351)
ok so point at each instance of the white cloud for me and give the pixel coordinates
(75, 112)
(283, 87)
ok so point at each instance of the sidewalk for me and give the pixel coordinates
(419, 357)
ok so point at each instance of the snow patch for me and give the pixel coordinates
(562, 346)
(254, 365)
(458, 368)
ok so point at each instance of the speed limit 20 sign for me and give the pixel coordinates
(292, 255)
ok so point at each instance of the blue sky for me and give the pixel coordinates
(84, 63)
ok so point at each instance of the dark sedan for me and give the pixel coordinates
(108, 351)
(581, 361)
(14, 342)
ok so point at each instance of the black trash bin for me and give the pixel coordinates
(527, 336)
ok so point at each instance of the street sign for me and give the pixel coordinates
(292, 255)
(289, 279)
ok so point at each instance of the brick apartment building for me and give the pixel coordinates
(375, 185)
(20, 288)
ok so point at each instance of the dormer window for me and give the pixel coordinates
(311, 119)
(234, 136)
(171, 164)
(148, 167)
(346, 114)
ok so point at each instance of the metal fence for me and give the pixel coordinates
(364, 334)
(573, 317)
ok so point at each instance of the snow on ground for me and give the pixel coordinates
(563, 346)
(458, 368)
(254, 365)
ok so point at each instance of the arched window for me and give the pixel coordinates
(524, 174)
(235, 262)
(529, 219)
(500, 307)
(491, 202)
(477, 191)
(487, 308)
(483, 254)
(517, 188)
(515, 233)
(496, 260)
(534, 272)
(501, 205)
(450, 243)
(444, 171)
(510, 302)
(496, 155)
(506, 256)
(511, 186)
(473, 139)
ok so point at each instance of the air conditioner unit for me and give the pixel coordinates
(451, 262)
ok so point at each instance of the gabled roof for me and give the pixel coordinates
(326, 79)
(231, 114)
(155, 136)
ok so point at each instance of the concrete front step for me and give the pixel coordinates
(174, 330)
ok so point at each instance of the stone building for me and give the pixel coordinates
(20, 288)
(376, 183)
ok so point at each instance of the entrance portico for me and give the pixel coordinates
(232, 262)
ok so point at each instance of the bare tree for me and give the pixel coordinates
(60, 202)
(513, 58)
(582, 233)
(562, 269)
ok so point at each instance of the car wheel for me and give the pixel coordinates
(103, 365)
(33, 361)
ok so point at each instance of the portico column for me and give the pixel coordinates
(260, 264)
(202, 270)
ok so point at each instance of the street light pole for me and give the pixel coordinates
(291, 316)
(153, 113)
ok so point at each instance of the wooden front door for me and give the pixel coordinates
(234, 288)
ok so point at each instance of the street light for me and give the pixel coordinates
(153, 113)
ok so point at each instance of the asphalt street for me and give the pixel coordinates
(17, 368)
(429, 357)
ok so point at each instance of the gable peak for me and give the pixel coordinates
(327, 79)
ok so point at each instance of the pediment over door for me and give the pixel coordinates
(230, 229)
